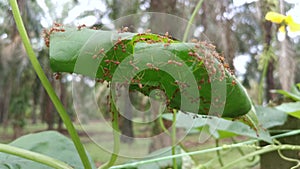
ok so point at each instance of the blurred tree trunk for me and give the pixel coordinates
(48, 110)
(166, 6)
(2, 97)
(228, 47)
(218, 28)
(121, 9)
(36, 97)
(64, 100)
(287, 61)
(166, 19)
(125, 122)
(1, 109)
(287, 65)
(266, 6)
(270, 83)
(6, 96)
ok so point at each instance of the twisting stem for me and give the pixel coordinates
(46, 84)
(290, 159)
(263, 150)
(37, 157)
(174, 139)
(161, 123)
(191, 20)
(287, 158)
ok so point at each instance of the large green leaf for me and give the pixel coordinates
(288, 95)
(50, 143)
(192, 82)
(270, 117)
(218, 127)
(292, 109)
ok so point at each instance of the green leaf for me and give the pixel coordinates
(295, 90)
(50, 143)
(218, 127)
(192, 83)
(287, 94)
(292, 109)
(270, 117)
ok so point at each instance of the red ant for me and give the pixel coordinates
(57, 75)
(101, 51)
(151, 66)
(81, 26)
(226, 65)
(111, 61)
(55, 29)
(167, 34)
(191, 53)
(132, 64)
(181, 84)
(140, 85)
(233, 82)
(100, 80)
(166, 44)
(194, 40)
(57, 24)
(94, 56)
(125, 29)
(174, 62)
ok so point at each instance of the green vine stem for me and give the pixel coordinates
(46, 84)
(219, 153)
(167, 132)
(191, 20)
(241, 151)
(247, 144)
(161, 123)
(116, 136)
(173, 137)
(37, 157)
(287, 158)
(263, 150)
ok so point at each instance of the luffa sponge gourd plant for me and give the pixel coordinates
(192, 75)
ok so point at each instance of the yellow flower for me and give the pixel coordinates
(283, 21)
(275, 17)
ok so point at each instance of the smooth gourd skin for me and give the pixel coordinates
(153, 62)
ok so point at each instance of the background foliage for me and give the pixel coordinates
(239, 32)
